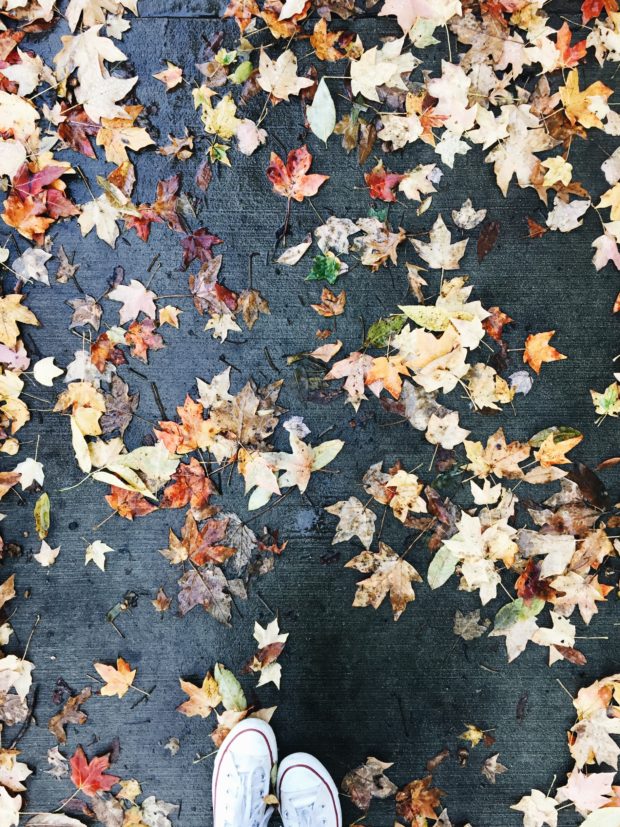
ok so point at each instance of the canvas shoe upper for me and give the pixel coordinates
(242, 775)
(307, 794)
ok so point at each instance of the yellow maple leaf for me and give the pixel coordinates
(554, 453)
(11, 312)
(538, 350)
(117, 678)
(202, 699)
(118, 135)
(577, 103)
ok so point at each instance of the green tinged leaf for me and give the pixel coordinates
(230, 689)
(442, 567)
(242, 72)
(42, 516)
(381, 213)
(427, 316)
(325, 268)
(381, 331)
(560, 433)
(516, 611)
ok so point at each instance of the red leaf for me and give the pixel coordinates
(592, 8)
(198, 245)
(487, 239)
(128, 504)
(291, 180)
(77, 131)
(381, 182)
(535, 230)
(90, 777)
(141, 337)
(189, 484)
(204, 175)
(570, 55)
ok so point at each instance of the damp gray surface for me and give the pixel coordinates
(354, 682)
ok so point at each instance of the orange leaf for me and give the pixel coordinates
(381, 182)
(90, 777)
(570, 55)
(189, 484)
(128, 504)
(387, 370)
(592, 8)
(117, 679)
(538, 350)
(418, 800)
(290, 180)
(192, 433)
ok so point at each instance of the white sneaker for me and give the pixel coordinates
(242, 775)
(307, 794)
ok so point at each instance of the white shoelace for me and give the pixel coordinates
(305, 813)
(305, 816)
(249, 804)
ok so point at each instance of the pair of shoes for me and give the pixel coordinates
(242, 778)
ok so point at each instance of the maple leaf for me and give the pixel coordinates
(207, 589)
(198, 245)
(117, 135)
(303, 460)
(552, 450)
(575, 590)
(117, 678)
(12, 313)
(193, 432)
(587, 792)
(47, 555)
(381, 182)
(69, 714)
(418, 799)
(468, 625)
(279, 77)
(378, 244)
(578, 105)
(355, 520)
(492, 768)
(378, 67)
(90, 777)
(290, 180)
(202, 545)
(593, 8)
(141, 337)
(97, 90)
(128, 504)
(243, 11)
(103, 351)
(171, 76)
(538, 350)
(135, 298)
(189, 484)
(10, 808)
(252, 304)
(368, 781)
(7, 590)
(389, 573)
(499, 457)
(120, 406)
(569, 55)
(515, 154)
(95, 553)
(538, 810)
(440, 254)
(203, 699)
(331, 305)
(324, 42)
